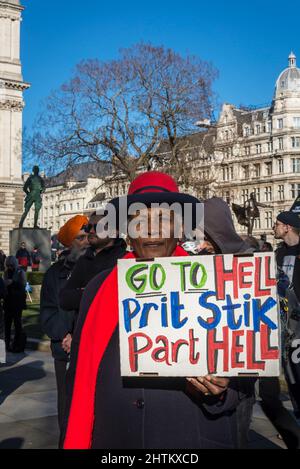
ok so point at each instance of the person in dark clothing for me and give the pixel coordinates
(220, 237)
(144, 413)
(35, 260)
(23, 257)
(2, 334)
(57, 323)
(2, 261)
(269, 388)
(101, 255)
(14, 302)
(287, 228)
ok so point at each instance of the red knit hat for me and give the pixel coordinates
(153, 181)
(155, 187)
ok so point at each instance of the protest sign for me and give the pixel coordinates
(189, 316)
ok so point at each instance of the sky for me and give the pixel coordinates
(248, 42)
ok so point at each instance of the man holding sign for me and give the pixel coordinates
(139, 406)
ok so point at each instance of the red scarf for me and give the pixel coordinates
(95, 336)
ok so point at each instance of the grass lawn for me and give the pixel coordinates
(31, 322)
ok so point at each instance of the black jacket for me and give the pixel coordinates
(55, 321)
(292, 254)
(85, 269)
(15, 299)
(149, 413)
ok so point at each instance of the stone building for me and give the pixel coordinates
(11, 108)
(259, 150)
(81, 189)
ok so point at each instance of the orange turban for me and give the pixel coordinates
(70, 230)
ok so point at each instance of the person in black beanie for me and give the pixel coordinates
(287, 228)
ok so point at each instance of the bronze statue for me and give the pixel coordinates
(247, 214)
(33, 188)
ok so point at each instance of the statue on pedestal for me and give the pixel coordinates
(33, 188)
(246, 215)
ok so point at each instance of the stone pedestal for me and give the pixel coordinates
(41, 238)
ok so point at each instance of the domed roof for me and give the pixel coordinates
(289, 79)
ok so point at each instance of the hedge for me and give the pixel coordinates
(35, 278)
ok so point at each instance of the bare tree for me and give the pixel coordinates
(119, 111)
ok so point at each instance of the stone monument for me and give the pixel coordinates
(36, 236)
(247, 214)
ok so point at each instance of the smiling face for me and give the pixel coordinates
(155, 230)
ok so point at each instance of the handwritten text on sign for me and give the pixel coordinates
(189, 316)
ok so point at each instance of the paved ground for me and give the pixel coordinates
(28, 406)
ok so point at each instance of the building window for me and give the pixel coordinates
(257, 170)
(71, 207)
(295, 142)
(257, 193)
(297, 122)
(280, 143)
(268, 194)
(295, 190)
(227, 197)
(270, 146)
(296, 165)
(257, 223)
(245, 195)
(268, 167)
(246, 131)
(280, 165)
(279, 123)
(258, 148)
(247, 150)
(78, 206)
(269, 219)
(245, 172)
(258, 129)
(224, 173)
(269, 126)
(281, 192)
(65, 207)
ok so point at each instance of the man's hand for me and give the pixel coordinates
(210, 385)
(66, 343)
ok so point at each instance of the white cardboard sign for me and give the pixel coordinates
(189, 316)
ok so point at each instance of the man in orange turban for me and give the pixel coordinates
(73, 231)
(57, 323)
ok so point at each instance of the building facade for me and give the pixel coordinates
(259, 151)
(11, 108)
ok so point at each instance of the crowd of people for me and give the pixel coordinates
(97, 408)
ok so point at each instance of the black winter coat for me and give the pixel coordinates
(15, 299)
(149, 413)
(85, 269)
(55, 321)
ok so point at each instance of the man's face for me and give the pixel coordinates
(93, 239)
(81, 241)
(155, 238)
(23, 245)
(280, 230)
